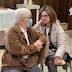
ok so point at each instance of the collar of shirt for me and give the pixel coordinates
(22, 29)
(47, 31)
(25, 33)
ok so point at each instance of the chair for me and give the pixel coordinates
(69, 63)
(2, 35)
(68, 60)
(42, 58)
(64, 25)
(43, 54)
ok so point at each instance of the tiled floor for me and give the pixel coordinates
(60, 69)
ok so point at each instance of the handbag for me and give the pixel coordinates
(43, 67)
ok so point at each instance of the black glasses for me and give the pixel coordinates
(28, 17)
(45, 16)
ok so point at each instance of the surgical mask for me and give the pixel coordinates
(30, 23)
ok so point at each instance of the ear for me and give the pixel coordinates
(23, 19)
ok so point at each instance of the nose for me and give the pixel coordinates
(43, 17)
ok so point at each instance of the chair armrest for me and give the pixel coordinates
(43, 53)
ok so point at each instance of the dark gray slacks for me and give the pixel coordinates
(33, 69)
(12, 70)
(51, 66)
(50, 61)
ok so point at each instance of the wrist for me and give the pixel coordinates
(57, 57)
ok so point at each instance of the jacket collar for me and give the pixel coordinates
(19, 30)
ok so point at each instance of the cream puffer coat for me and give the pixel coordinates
(58, 37)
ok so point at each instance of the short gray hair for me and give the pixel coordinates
(21, 13)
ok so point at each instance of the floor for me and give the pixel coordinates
(1, 53)
(59, 67)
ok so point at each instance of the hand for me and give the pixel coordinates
(38, 45)
(57, 61)
(40, 22)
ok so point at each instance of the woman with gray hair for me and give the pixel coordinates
(22, 45)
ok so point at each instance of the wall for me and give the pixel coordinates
(70, 17)
(60, 6)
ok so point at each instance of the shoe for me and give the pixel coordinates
(65, 66)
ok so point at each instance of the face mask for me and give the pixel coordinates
(30, 23)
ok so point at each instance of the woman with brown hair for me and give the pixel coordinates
(50, 26)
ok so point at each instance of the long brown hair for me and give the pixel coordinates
(50, 11)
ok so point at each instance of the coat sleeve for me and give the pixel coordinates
(36, 27)
(61, 42)
(15, 47)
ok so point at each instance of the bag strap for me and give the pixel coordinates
(51, 44)
(49, 34)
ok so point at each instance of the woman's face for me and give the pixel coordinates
(45, 17)
(26, 20)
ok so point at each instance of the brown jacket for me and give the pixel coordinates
(16, 48)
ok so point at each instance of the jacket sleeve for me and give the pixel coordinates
(14, 46)
(40, 36)
(44, 51)
(36, 27)
(61, 42)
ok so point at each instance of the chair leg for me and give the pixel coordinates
(70, 66)
(66, 69)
